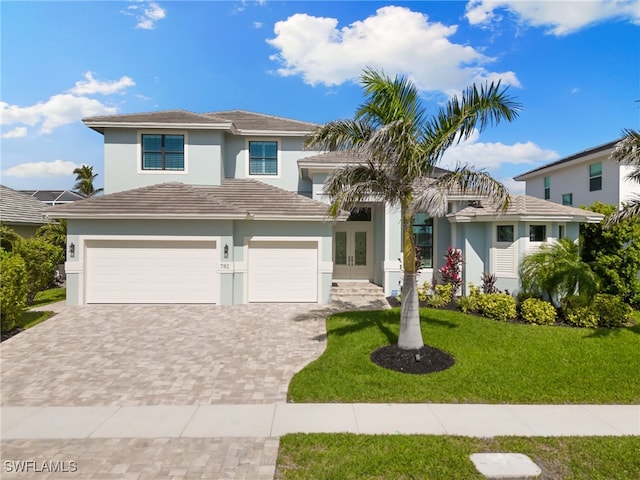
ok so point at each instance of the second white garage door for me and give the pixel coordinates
(151, 272)
(283, 272)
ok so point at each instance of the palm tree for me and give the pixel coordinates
(84, 181)
(400, 147)
(627, 152)
(558, 272)
(54, 232)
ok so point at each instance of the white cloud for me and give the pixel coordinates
(146, 13)
(16, 133)
(559, 17)
(92, 86)
(65, 108)
(57, 168)
(491, 156)
(514, 187)
(395, 39)
(257, 24)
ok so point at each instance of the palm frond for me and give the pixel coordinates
(389, 100)
(476, 109)
(431, 196)
(339, 135)
(627, 150)
(353, 184)
(630, 210)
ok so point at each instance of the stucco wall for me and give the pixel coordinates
(122, 160)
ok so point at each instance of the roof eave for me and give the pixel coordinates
(99, 126)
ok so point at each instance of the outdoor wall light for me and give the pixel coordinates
(72, 250)
(226, 251)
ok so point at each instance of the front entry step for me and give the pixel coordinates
(346, 294)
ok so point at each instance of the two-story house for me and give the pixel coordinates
(582, 179)
(228, 207)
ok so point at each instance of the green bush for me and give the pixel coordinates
(41, 260)
(469, 303)
(13, 289)
(612, 312)
(442, 296)
(581, 317)
(534, 310)
(499, 306)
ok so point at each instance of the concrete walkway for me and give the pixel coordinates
(274, 420)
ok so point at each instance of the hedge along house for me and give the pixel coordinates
(228, 208)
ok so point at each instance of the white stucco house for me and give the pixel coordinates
(228, 208)
(582, 179)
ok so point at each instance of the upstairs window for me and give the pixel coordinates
(595, 177)
(547, 188)
(567, 198)
(561, 232)
(537, 233)
(263, 158)
(162, 152)
(423, 237)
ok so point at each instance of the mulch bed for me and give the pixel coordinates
(425, 360)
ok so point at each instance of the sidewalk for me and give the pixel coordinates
(276, 419)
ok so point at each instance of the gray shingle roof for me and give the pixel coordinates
(20, 208)
(527, 206)
(244, 120)
(235, 199)
(238, 120)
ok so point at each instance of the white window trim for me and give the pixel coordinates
(278, 160)
(142, 171)
(495, 233)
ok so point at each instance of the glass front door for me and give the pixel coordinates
(352, 251)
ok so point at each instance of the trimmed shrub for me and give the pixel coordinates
(537, 311)
(13, 290)
(581, 317)
(41, 260)
(612, 312)
(442, 296)
(498, 306)
(469, 303)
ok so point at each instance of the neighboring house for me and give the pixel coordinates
(21, 212)
(582, 179)
(55, 197)
(227, 207)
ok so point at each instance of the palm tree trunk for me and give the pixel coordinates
(410, 337)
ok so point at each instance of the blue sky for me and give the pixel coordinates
(574, 65)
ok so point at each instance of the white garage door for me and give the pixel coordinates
(151, 272)
(283, 272)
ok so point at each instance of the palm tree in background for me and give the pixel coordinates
(627, 152)
(400, 147)
(84, 181)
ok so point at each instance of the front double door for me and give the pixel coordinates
(352, 251)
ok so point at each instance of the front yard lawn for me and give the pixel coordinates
(46, 297)
(496, 362)
(348, 456)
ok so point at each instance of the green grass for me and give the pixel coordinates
(31, 319)
(46, 297)
(348, 456)
(496, 362)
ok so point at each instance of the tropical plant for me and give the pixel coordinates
(539, 312)
(627, 152)
(54, 232)
(84, 181)
(557, 271)
(8, 238)
(399, 148)
(613, 253)
(451, 272)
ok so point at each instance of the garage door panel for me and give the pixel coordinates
(152, 272)
(283, 272)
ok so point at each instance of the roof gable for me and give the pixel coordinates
(244, 120)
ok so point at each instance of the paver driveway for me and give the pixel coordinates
(123, 355)
(161, 355)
